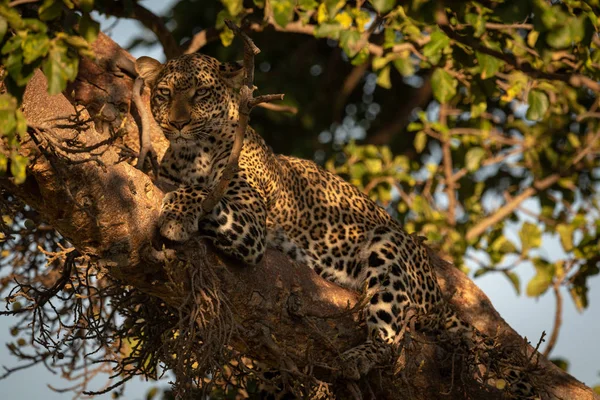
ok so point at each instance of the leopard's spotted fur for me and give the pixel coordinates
(287, 203)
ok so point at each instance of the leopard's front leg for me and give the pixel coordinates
(236, 225)
(180, 212)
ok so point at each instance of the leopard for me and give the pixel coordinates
(292, 205)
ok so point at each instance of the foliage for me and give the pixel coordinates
(505, 133)
(37, 39)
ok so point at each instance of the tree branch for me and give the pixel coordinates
(509, 207)
(557, 318)
(149, 20)
(448, 170)
(573, 79)
(201, 39)
(246, 103)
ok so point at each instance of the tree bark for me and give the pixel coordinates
(108, 209)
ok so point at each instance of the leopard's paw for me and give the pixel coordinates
(357, 362)
(175, 228)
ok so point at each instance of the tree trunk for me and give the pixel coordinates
(286, 315)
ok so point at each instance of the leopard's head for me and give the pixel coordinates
(191, 95)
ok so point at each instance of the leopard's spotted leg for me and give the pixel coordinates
(181, 209)
(398, 294)
(237, 224)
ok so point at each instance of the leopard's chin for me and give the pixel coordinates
(177, 137)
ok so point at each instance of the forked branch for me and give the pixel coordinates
(247, 102)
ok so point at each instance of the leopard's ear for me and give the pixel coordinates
(148, 69)
(232, 73)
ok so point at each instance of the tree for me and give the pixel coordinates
(509, 93)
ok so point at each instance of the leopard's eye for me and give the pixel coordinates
(200, 92)
(164, 92)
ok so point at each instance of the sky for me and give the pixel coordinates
(578, 340)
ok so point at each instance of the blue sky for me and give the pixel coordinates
(578, 341)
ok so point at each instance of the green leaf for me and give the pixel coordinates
(579, 287)
(332, 6)
(234, 7)
(560, 363)
(283, 11)
(328, 29)
(566, 236)
(514, 279)
(348, 40)
(18, 165)
(489, 65)
(405, 66)
(19, 72)
(34, 25)
(383, 78)
(8, 117)
(308, 5)
(436, 46)
(420, 141)
(480, 272)
(374, 166)
(59, 68)
(538, 105)
(12, 44)
(361, 57)
(443, 85)
(34, 47)
(3, 28)
(88, 28)
(531, 237)
(11, 15)
(503, 245)
(478, 23)
(383, 6)
(86, 5)
(50, 9)
(477, 109)
(473, 158)
(542, 279)
(570, 31)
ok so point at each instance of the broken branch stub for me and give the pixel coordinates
(246, 103)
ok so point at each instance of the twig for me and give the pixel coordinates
(557, 319)
(19, 2)
(150, 21)
(279, 108)
(201, 39)
(509, 207)
(247, 102)
(447, 155)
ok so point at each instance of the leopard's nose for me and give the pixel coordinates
(180, 124)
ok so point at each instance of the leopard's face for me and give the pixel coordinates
(191, 96)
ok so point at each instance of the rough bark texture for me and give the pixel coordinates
(109, 213)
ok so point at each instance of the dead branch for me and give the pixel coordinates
(246, 103)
